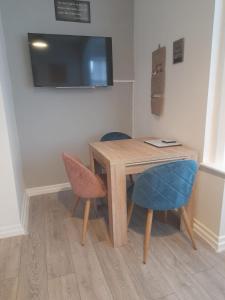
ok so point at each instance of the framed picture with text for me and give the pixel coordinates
(73, 11)
(178, 51)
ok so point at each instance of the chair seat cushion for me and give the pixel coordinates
(165, 187)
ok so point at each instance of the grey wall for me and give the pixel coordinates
(51, 120)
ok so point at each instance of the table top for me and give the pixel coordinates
(135, 151)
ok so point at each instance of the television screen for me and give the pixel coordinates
(71, 61)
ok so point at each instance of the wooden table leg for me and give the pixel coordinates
(117, 204)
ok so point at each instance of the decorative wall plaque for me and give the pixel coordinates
(178, 51)
(72, 11)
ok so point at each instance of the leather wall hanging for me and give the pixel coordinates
(158, 80)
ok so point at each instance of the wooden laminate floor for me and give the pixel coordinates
(51, 264)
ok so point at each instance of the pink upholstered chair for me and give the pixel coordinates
(85, 184)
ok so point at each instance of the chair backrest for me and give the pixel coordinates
(85, 184)
(167, 186)
(113, 136)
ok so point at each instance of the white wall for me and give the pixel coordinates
(11, 179)
(162, 22)
(208, 208)
(214, 152)
(184, 115)
(50, 120)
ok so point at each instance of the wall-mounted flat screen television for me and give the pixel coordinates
(71, 61)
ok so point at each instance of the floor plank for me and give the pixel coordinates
(32, 281)
(213, 283)
(157, 282)
(10, 250)
(149, 276)
(116, 272)
(33, 271)
(170, 297)
(63, 288)
(62, 202)
(8, 289)
(182, 248)
(147, 284)
(91, 280)
(58, 255)
(216, 259)
(98, 230)
(178, 276)
(50, 263)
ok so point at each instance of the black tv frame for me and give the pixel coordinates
(110, 81)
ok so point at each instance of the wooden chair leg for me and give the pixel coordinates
(85, 221)
(75, 206)
(147, 233)
(131, 179)
(188, 226)
(129, 213)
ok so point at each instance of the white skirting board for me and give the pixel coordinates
(18, 229)
(10, 231)
(48, 189)
(215, 241)
(25, 212)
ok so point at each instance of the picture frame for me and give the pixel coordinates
(178, 51)
(73, 11)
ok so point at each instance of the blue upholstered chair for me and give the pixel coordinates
(162, 188)
(113, 136)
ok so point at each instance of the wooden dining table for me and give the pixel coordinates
(126, 157)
